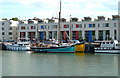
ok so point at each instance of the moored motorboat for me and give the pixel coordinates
(107, 46)
(21, 44)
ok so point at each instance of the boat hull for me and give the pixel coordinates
(65, 49)
(18, 48)
(107, 51)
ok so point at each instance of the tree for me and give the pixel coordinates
(4, 18)
(15, 19)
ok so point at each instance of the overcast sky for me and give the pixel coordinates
(49, 8)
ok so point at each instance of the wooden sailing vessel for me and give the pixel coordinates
(56, 49)
(60, 48)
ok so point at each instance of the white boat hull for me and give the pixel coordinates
(17, 48)
(108, 46)
(107, 51)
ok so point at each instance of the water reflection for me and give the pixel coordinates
(0, 64)
(59, 64)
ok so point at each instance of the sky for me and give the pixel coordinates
(28, 9)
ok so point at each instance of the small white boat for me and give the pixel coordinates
(107, 46)
(22, 44)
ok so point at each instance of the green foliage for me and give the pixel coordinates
(15, 19)
(4, 19)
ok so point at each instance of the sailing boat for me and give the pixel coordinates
(57, 48)
(61, 47)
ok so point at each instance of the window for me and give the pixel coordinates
(3, 23)
(32, 27)
(42, 27)
(103, 42)
(100, 33)
(22, 27)
(78, 25)
(2, 28)
(80, 35)
(45, 27)
(27, 27)
(111, 42)
(115, 34)
(10, 37)
(3, 38)
(66, 26)
(107, 33)
(10, 28)
(48, 27)
(107, 42)
(71, 25)
(20, 44)
(84, 25)
(3, 33)
(105, 24)
(54, 26)
(91, 25)
(98, 25)
(10, 33)
(115, 24)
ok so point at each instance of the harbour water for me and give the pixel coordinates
(0, 64)
(24, 63)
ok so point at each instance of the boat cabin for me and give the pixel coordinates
(22, 42)
(106, 44)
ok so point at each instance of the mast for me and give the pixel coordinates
(70, 31)
(37, 33)
(59, 21)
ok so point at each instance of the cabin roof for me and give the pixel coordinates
(102, 41)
